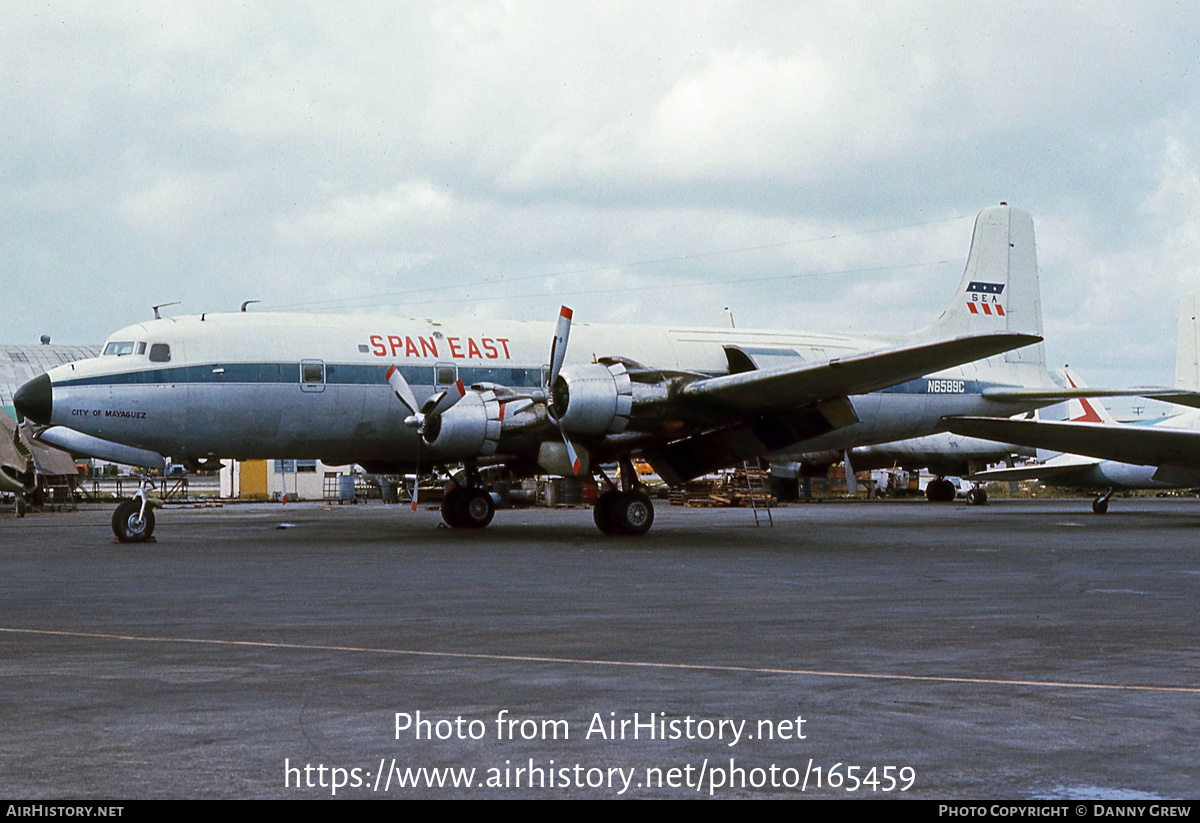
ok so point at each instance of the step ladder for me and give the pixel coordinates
(760, 475)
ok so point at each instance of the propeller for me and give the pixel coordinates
(558, 353)
(434, 407)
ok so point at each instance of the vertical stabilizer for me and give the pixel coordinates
(999, 290)
(1187, 352)
(1077, 409)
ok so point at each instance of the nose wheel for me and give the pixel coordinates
(133, 522)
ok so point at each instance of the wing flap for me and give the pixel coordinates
(787, 387)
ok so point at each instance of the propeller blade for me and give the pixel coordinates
(570, 450)
(851, 479)
(416, 475)
(404, 392)
(558, 349)
(447, 399)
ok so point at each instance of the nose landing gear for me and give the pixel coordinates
(133, 520)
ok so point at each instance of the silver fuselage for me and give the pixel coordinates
(251, 385)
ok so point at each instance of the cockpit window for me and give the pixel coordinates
(118, 349)
(160, 353)
(142, 347)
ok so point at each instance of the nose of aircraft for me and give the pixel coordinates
(35, 400)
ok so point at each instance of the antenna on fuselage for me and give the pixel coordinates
(157, 316)
(248, 302)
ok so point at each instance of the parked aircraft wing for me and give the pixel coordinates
(1063, 466)
(1140, 445)
(1181, 397)
(787, 387)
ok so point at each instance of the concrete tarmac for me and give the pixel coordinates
(1019, 650)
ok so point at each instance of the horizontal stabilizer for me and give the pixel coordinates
(787, 387)
(1140, 445)
(1066, 465)
(1181, 397)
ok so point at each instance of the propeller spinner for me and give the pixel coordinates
(434, 407)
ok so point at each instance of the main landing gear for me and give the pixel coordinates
(940, 490)
(628, 510)
(1100, 504)
(618, 512)
(469, 506)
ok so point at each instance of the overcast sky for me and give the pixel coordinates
(809, 165)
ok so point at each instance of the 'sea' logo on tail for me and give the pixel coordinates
(985, 298)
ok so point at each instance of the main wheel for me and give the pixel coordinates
(939, 490)
(450, 506)
(1100, 505)
(976, 497)
(474, 509)
(602, 512)
(632, 513)
(131, 527)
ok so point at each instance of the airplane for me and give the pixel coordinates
(397, 394)
(1097, 452)
(944, 454)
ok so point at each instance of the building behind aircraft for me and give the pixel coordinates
(28, 466)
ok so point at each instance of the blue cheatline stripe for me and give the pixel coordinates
(336, 374)
(350, 374)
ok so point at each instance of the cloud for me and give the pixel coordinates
(804, 163)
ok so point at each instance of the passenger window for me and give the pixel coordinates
(160, 353)
(446, 375)
(313, 373)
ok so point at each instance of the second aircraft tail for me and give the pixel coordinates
(999, 290)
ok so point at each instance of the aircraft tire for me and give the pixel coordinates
(602, 512)
(976, 497)
(450, 507)
(1100, 506)
(126, 525)
(474, 509)
(20, 507)
(939, 491)
(632, 513)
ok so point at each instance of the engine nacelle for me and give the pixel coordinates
(593, 399)
(471, 427)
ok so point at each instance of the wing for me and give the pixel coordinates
(787, 387)
(684, 423)
(757, 412)
(1141, 445)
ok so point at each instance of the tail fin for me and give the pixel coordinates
(1187, 352)
(999, 289)
(1080, 409)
